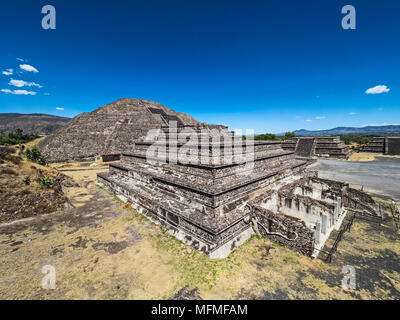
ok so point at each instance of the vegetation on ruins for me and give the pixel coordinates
(17, 137)
(35, 155)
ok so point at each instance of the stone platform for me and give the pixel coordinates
(384, 145)
(322, 147)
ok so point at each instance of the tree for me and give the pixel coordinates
(265, 136)
(290, 135)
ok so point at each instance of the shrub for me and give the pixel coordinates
(47, 182)
(35, 155)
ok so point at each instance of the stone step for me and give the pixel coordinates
(210, 189)
(257, 156)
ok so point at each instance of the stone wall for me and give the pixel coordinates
(392, 146)
(286, 230)
(305, 147)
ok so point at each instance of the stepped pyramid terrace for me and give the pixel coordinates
(384, 145)
(213, 190)
(112, 128)
(323, 147)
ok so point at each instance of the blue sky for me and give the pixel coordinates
(272, 66)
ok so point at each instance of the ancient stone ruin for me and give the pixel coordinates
(322, 147)
(112, 128)
(384, 145)
(216, 204)
(302, 214)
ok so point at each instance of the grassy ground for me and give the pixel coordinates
(102, 249)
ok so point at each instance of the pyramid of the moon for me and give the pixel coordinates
(113, 128)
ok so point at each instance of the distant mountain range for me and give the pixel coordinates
(37, 123)
(391, 130)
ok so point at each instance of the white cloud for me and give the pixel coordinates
(46, 94)
(19, 59)
(377, 90)
(19, 92)
(24, 92)
(58, 108)
(29, 68)
(22, 83)
(308, 120)
(352, 113)
(320, 117)
(8, 72)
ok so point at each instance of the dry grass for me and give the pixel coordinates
(129, 257)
